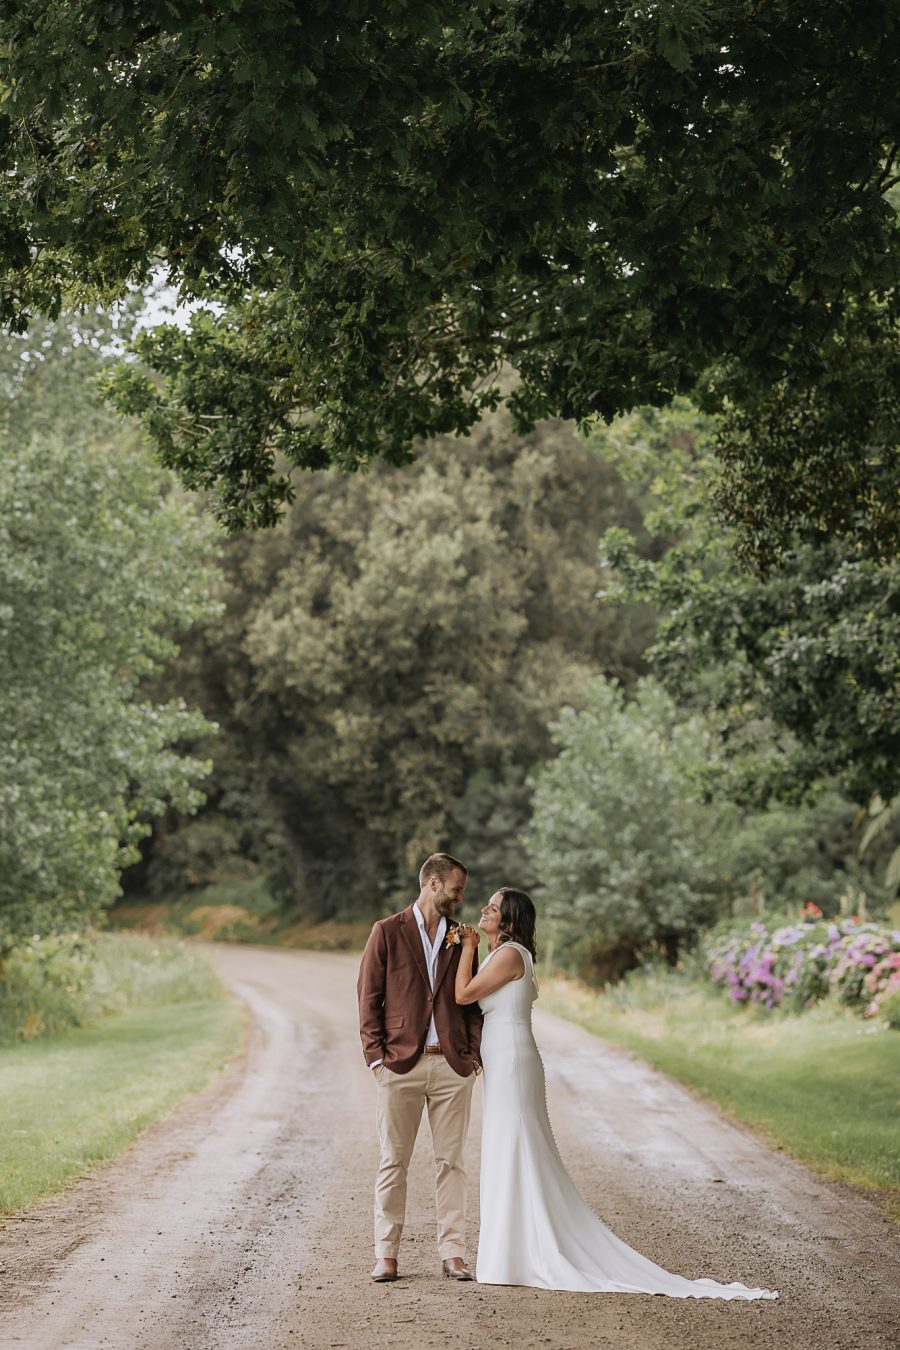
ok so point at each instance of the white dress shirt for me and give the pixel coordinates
(432, 951)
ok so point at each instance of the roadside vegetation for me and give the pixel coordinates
(103, 563)
(237, 914)
(99, 1036)
(63, 981)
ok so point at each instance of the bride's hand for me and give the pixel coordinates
(469, 937)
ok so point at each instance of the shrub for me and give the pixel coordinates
(53, 983)
(796, 964)
(45, 986)
(619, 835)
(859, 953)
(889, 1008)
(882, 982)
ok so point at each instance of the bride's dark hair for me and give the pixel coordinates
(517, 918)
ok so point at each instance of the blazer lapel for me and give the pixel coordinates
(445, 956)
(411, 932)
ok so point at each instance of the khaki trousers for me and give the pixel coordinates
(400, 1099)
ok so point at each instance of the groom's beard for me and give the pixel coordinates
(444, 905)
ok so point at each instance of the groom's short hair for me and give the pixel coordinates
(440, 865)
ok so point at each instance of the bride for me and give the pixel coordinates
(535, 1228)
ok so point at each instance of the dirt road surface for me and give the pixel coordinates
(244, 1220)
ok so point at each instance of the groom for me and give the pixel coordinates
(423, 1050)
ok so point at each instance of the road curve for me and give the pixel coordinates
(244, 1219)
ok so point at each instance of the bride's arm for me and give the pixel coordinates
(505, 965)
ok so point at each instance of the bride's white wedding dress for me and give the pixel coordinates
(535, 1228)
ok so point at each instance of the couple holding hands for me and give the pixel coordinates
(430, 1020)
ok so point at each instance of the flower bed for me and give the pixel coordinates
(794, 965)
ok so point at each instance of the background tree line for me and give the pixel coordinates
(538, 651)
(387, 665)
(756, 767)
(102, 557)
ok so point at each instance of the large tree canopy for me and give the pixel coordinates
(102, 562)
(623, 202)
(798, 668)
(386, 667)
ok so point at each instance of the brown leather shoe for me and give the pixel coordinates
(455, 1268)
(385, 1270)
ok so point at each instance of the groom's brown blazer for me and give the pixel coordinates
(396, 1000)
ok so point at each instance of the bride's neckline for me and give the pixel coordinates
(508, 943)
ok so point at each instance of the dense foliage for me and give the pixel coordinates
(618, 834)
(800, 665)
(635, 856)
(390, 657)
(794, 965)
(52, 982)
(386, 667)
(99, 562)
(623, 202)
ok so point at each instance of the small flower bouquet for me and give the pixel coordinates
(453, 938)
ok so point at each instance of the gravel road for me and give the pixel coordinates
(244, 1219)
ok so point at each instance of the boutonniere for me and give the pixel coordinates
(453, 938)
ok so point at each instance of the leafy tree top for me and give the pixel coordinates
(799, 667)
(623, 202)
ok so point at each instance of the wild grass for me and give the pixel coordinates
(52, 983)
(237, 910)
(226, 914)
(823, 1085)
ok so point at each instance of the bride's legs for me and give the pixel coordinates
(449, 1100)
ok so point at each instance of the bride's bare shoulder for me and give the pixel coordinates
(512, 957)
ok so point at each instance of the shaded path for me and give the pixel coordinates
(244, 1220)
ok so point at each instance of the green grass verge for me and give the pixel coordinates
(70, 1100)
(824, 1086)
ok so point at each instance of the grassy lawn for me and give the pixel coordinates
(69, 1100)
(825, 1086)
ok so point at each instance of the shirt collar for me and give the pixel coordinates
(420, 920)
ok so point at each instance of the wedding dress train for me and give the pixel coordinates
(535, 1228)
